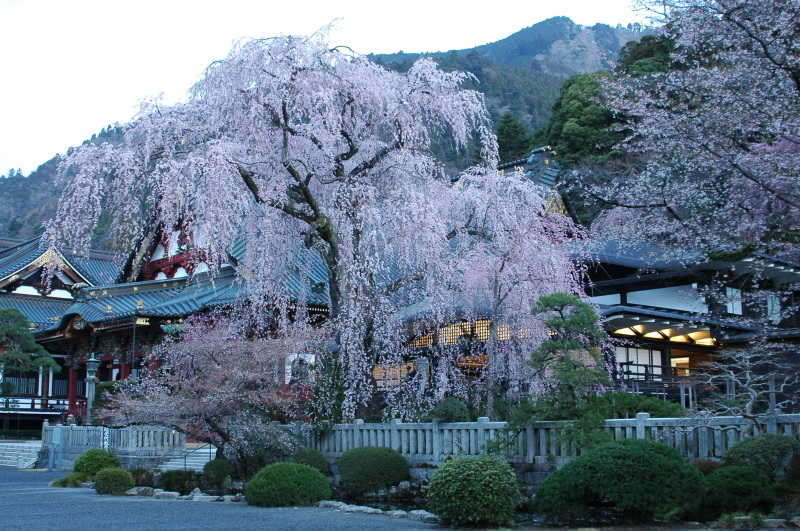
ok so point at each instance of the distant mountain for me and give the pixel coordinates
(521, 74)
(27, 202)
(555, 46)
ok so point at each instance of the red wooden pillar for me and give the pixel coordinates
(124, 370)
(72, 388)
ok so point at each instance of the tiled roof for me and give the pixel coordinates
(97, 268)
(40, 311)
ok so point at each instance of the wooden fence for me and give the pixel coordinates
(701, 437)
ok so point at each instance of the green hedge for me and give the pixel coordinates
(449, 409)
(370, 468)
(313, 458)
(737, 489)
(76, 479)
(638, 478)
(474, 491)
(116, 481)
(286, 483)
(775, 455)
(92, 461)
(216, 470)
(182, 481)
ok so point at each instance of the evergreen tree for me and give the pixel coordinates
(513, 140)
(18, 349)
(580, 128)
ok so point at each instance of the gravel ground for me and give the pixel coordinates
(28, 504)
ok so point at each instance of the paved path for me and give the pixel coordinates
(28, 504)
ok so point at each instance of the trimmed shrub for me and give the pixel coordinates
(115, 481)
(92, 461)
(76, 479)
(183, 481)
(313, 458)
(706, 466)
(449, 409)
(142, 477)
(370, 468)
(775, 455)
(287, 483)
(474, 491)
(638, 478)
(627, 405)
(216, 470)
(737, 488)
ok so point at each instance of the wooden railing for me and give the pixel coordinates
(33, 404)
(701, 437)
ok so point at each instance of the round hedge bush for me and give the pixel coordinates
(286, 483)
(115, 481)
(181, 481)
(142, 477)
(313, 458)
(474, 491)
(370, 468)
(737, 489)
(216, 470)
(92, 461)
(637, 478)
(775, 455)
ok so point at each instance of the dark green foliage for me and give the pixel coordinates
(216, 470)
(571, 364)
(570, 358)
(116, 481)
(648, 56)
(773, 454)
(449, 409)
(706, 466)
(18, 350)
(142, 477)
(282, 484)
(183, 481)
(76, 479)
(638, 478)
(625, 405)
(735, 489)
(513, 141)
(580, 129)
(368, 469)
(92, 461)
(313, 458)
(474, 491)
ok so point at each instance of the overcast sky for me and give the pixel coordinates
(68, 68)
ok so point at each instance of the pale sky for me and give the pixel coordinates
(68, 68)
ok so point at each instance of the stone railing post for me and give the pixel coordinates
(482, 435)
(357, 423)
(395, 434)
(641, 424)
(772, 422)
(437, 441)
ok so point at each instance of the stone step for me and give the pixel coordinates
(19, 455)
(194, 459)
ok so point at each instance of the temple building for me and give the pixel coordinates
(669, 315)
